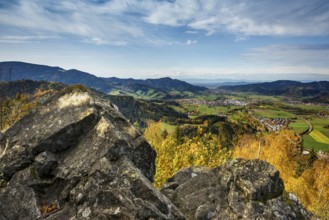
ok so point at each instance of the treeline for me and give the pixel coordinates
(12, 88)
(140, 111)
(227, 132)
(176, 151)
(208, 143)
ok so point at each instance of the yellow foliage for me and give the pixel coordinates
(14, 109)
(202, 150)
(280, 150)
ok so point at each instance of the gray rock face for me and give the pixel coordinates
(77, 157)
(240, 189)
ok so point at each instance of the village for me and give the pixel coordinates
(274, 124)
(213, 103)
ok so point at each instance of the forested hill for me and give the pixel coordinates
(283, 87)
(167, 84)
(151, 88)
(26, 95)
(20, 70)
(13, 88)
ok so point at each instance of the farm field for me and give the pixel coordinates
(264, 97)
(299, 126)
(272, 113)
(312, 107)
(274, 107)
(318, 139)
(207, 110)
(319, 124)
(310, 143)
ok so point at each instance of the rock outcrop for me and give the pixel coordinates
(239, 189)
(77, 157)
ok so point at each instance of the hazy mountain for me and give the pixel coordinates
(20, 70)
(150, 88)
(284, 87)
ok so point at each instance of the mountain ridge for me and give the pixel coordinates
(284, 87)
(154, 88)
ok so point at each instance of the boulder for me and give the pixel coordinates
(77, 157)
(239, 189)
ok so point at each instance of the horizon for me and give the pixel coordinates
(194, 81)
(213, 40)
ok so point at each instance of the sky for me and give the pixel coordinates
(254, 40)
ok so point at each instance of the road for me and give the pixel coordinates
(310, 127)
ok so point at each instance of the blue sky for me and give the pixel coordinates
(210, 39)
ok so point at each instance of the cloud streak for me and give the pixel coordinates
(292, 18)
(90, 22)
(124, 22)
(313, 55)
(23, 39)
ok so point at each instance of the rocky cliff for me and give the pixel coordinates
(239, 189)
(77, 157)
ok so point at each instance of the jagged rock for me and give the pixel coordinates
(45, 164)
(77, 157)
(239, 189)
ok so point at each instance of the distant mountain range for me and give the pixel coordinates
(284, 88)
(150, 88)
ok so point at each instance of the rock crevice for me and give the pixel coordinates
(239, 189)
(77, 157)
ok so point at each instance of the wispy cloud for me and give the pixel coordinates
(312, 55)
(124, 22)
(23, 39)
(191, 32)
(91, 22)
(295, 17)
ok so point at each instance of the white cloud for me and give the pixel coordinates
(100, 41)
(125, 22)
(191, 42)
(295, 17)
(101, 24)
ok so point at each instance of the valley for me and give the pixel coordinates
(272, 112)
(195, 126)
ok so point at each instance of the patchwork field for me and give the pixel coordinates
(271, 113)
(299, 126)
(205, 109)
(318, 139)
